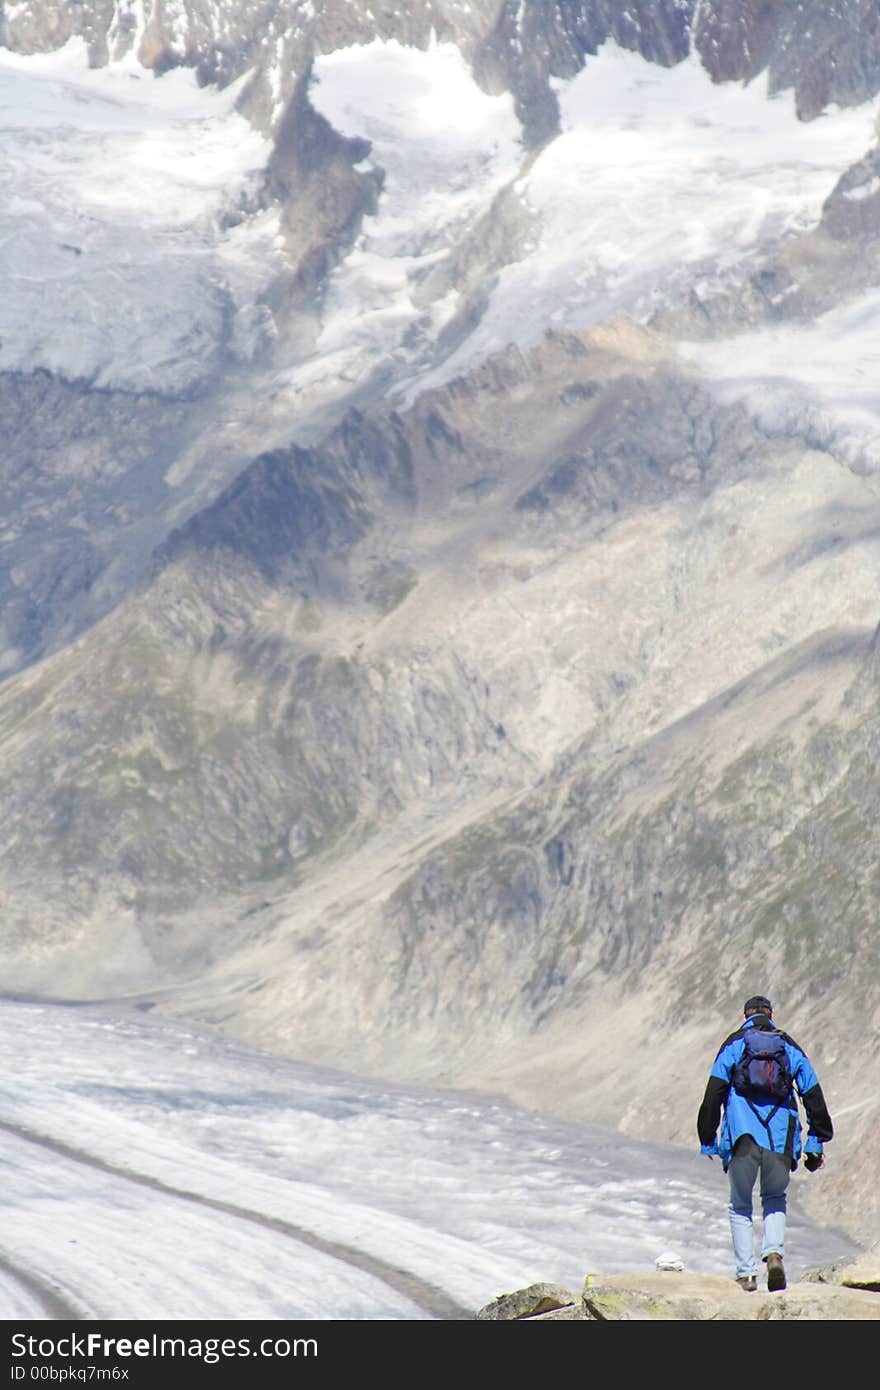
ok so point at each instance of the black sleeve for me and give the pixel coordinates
(709, 1117)
(818, 1120)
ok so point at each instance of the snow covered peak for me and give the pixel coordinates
(118, 266)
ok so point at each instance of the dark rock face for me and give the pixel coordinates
(57, 435)
(735, 40)
(852, 212)
(311, 174)
(827, 52)
(292, 505)
(617, 462)
(36, 28)
(534, 41)
(283, 510)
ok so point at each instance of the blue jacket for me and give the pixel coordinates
(780, 1131)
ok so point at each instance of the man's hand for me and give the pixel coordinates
(813, 1156)
(710, 1150)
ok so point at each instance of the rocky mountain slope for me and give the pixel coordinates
(440, 545)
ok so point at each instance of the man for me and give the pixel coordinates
(753, 1078)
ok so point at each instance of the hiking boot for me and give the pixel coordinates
(748, 1282)
(775, 1272)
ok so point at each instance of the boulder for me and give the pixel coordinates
(535, 1301)
(863, 1272)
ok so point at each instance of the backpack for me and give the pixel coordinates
(763, 1074)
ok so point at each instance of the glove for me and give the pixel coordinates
(813, 1161)
(710, 1150)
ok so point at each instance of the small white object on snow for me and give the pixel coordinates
(669, 1260)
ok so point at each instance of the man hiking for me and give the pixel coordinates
(753, 1079)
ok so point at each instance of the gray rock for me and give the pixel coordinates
(863, 1272)
(852, 209)
(536, 1300)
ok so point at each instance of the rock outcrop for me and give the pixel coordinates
(534, 1302)
(863, 1272)
(681, 1297)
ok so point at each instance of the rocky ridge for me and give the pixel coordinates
(848, 1293)
(520, 45)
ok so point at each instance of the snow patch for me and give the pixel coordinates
(659, 175)
(863, 191)
(446, 148)
(113, 185)
(816, 380)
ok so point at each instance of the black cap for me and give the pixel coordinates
(758, 1004)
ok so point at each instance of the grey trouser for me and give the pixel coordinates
(748, 1160)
